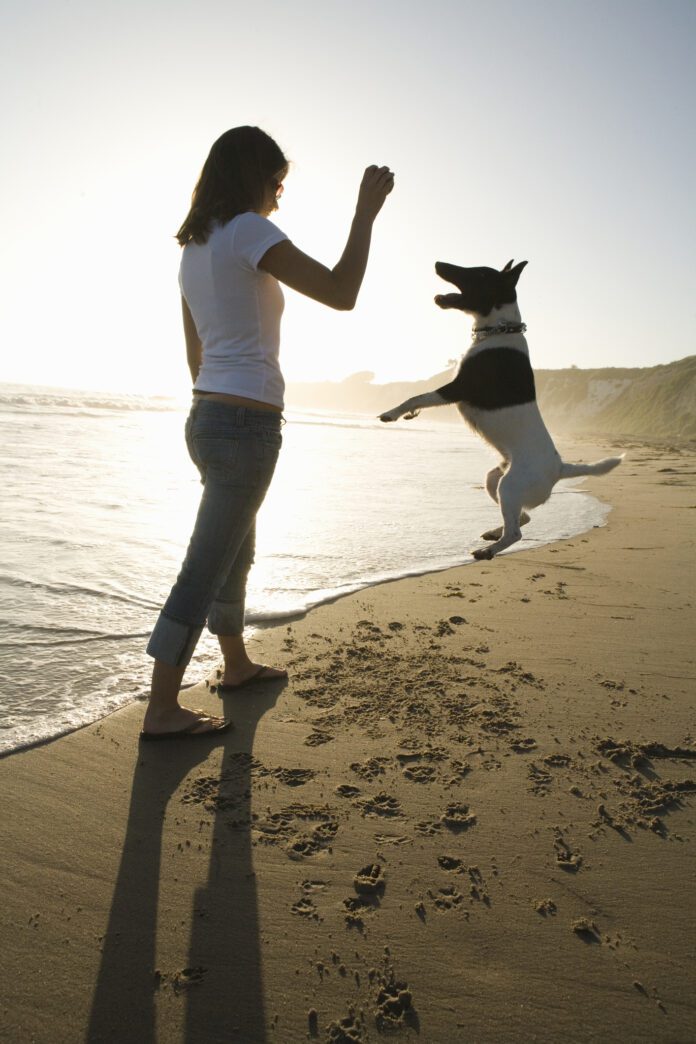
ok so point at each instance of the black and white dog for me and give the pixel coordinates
(495, 393)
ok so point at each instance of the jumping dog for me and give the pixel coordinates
(495, 393)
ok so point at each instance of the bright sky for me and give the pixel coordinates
(560, 131)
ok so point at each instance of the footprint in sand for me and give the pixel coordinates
(414, 752)
(293, 777)
(420, 773)
(182, 980)
(523, 746)
(357, 908)
(308, 886)
(586, 930)
(460, 769)
(447, 898)
(457, 817)
(427, 827)
(370, 880)
(372, 768)
(316, 739)
(539, 779)
(477, 888)
(345, 1031)
(303, 830)
(395, 1008)
(305, 905)
(451, 864)
(305, 908)
(557, 760)
(566, 859)
(381, 805)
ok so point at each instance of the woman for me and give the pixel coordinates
(231, 266)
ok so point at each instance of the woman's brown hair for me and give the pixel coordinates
(235, 179)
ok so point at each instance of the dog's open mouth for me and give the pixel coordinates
(448, 273)
(449, 300)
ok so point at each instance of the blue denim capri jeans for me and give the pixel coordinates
(235, 448)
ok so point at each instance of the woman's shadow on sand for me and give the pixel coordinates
(220, 983)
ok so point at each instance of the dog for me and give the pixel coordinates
(495, 393)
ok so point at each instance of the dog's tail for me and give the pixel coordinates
(600, 467)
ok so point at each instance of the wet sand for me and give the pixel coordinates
(467, 816)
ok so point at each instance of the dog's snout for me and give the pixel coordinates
(450, 273)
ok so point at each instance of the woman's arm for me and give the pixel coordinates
(336, 287)
(194, 348)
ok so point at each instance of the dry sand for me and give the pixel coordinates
(469, 816)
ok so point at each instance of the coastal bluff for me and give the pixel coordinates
(642, 402)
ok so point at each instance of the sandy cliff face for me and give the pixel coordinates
(658, 402)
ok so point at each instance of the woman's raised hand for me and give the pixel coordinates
(336, 287)
(376, 185)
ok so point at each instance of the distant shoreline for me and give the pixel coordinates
(655, 403)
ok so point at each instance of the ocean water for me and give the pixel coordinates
(99, 497)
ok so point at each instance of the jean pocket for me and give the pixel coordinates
(216, 452)
(272, 438)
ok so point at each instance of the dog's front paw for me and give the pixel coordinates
(387, 417)
(483, 553)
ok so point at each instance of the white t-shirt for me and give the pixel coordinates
(236, 308)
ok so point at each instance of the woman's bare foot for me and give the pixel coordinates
(240, 674)
(179, 718)
(239, 669)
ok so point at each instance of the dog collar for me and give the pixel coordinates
(481, 332)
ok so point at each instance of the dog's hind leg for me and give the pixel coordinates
(495, 534)
(492, 482)
(510, 501)
(493, 479)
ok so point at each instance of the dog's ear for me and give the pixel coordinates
(507, 267)
(515, 273)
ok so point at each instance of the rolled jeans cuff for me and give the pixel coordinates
(172, 641)
(226, 618)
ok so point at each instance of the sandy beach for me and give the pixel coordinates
(467, 816)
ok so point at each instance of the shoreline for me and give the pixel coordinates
(468, 815)
(260, 624)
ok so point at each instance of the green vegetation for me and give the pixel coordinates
(655, 402)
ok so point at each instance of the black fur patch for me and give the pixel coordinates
(492, 379)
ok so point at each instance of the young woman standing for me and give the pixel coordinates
(232, 263)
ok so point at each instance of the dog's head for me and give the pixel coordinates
(480, 289)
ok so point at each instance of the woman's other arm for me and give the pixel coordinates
(336, 287)
(194, 348)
